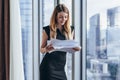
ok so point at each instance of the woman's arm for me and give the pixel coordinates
(44, 42)
(44, 47)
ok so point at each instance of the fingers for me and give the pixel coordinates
(49, 48)
(77, 48)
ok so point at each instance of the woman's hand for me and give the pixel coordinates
(76, 48)
(49, 48)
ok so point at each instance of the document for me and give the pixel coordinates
(64, 45)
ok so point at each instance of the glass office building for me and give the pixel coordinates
(103, 58)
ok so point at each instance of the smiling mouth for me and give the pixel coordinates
(62, 22)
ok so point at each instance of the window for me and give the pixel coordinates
(48, 6)
(69, 6)
(44, 17)
(34, 16)
(103, 26)
(26, 24)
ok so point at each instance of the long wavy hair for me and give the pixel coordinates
(53, 22)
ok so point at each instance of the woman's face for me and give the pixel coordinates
(62, 18)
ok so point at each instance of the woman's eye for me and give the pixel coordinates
(63, 17)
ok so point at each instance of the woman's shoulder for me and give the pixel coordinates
(46, 27)
(72, 28)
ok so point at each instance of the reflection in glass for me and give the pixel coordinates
(103, 43)
(48, 6)
(26, 24)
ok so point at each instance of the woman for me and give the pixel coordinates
(52, 66)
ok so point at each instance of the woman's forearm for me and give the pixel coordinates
(43, 50)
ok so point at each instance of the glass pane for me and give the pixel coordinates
(48, 6)
(103, 47)
(26, 23)
(68, 67)
(69, 6)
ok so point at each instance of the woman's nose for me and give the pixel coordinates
(63, 18)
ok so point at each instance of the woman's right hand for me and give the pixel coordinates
(49, 48)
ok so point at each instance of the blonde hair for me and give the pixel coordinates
(53, 22)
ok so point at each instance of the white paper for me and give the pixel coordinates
(63, 45)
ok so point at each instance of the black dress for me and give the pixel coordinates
(52, 65)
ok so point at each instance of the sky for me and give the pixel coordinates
(96, 6)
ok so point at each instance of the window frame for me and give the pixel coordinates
(36, 37)
(77, 22)
(84, 38)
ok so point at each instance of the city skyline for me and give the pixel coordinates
(94, 7)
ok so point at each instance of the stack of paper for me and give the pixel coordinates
(64, 45)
